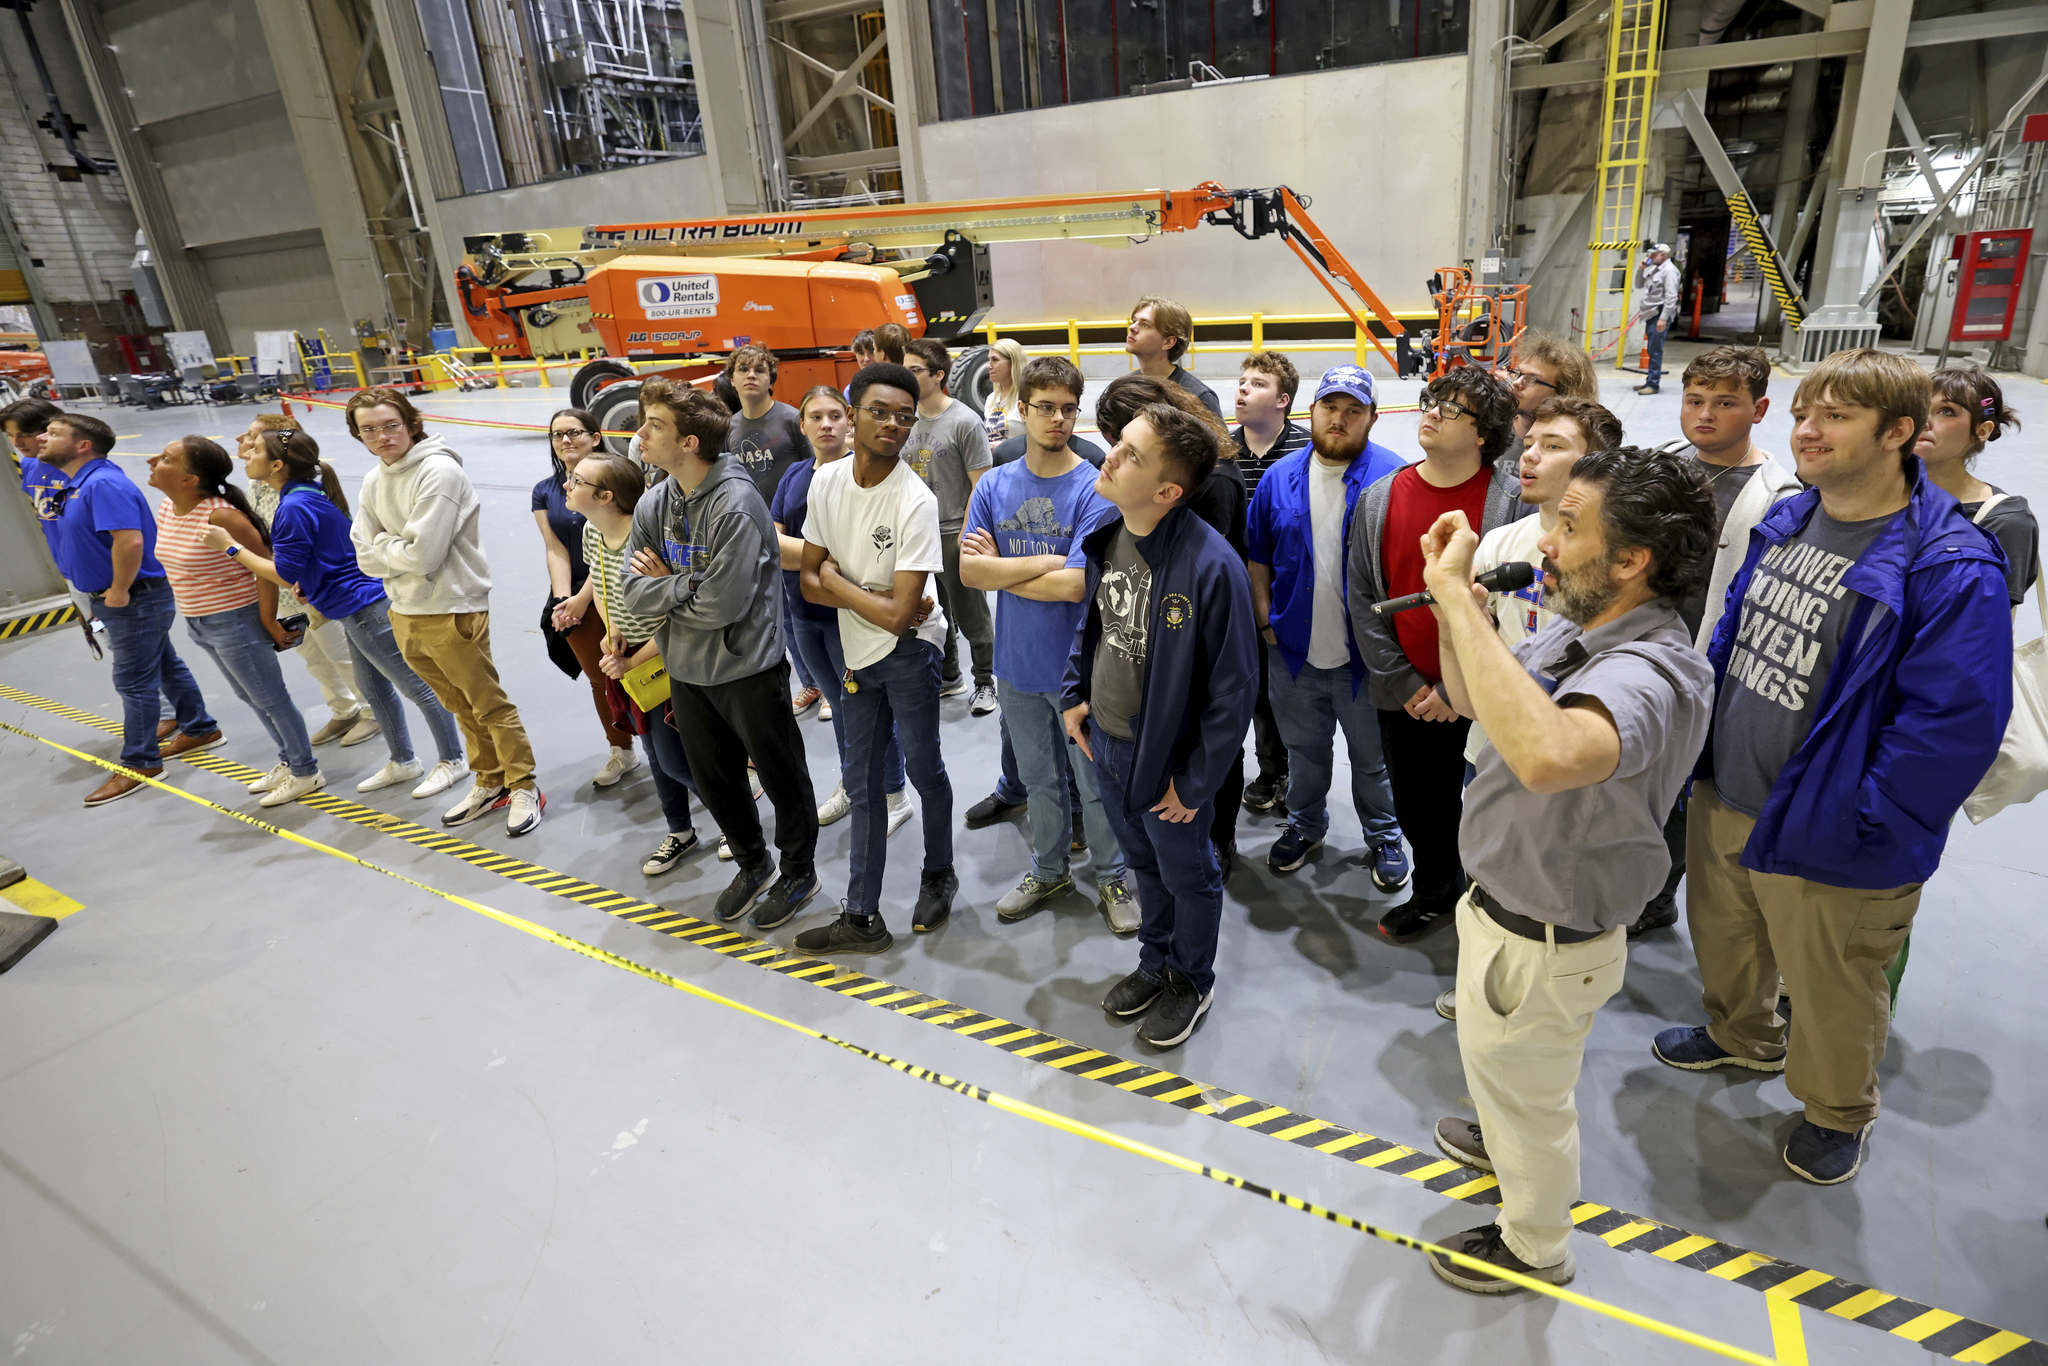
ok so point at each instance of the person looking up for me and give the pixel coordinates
(892, 341)
(1546, 366)
(950, 452)
(1158, 336)
(1001, 415)
(1266, 434)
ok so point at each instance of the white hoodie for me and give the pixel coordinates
(416, 528)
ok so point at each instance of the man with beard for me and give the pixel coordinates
(1300, 520)
(1593, 725)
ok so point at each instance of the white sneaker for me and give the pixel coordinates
(292, 788)
(477, 803)
(272, 778)
(622, 762)
(440, 780)
(724, 852)
(824, 711)
(391, 775)
(984, 701)
(900, 809)
(528, 805)
(954, 687)
(365, 728)
(836, 806)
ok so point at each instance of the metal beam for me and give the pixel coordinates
(1967, 28)
(847, 161)
(796, 11)
(1676, 61)
(843, 82)
(1754, 233)
(1913, 140)
(1572, 23)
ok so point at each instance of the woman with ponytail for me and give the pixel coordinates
(324, 650)
(1968, 410)
(315, 558)
(229, 612)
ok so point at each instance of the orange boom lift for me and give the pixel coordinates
(803, 284)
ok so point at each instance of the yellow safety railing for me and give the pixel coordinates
(1257, 321)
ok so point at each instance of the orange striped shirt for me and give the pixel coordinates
(203, 580)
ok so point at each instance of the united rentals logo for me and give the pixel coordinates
(1176, 611)
(679, 296)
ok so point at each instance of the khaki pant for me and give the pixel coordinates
(1831, 945)
(452, 652)
(1524, 1010)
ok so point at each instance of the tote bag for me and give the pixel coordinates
(646, 684)
(2020, 772)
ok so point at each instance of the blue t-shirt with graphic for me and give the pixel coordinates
(792, 504)
(1028, 515)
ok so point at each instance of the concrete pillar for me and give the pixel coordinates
(910, 77)
(724, 104)
(1791, 172)
(1478, 216)
(1847, 240)
(429, 151)
(46, 317)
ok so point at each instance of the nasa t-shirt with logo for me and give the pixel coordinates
(873, 534)
(1124, 598)
(766, 446)
(1028, 515)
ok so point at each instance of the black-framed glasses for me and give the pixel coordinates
(1449, 407)
(559, 437)
(889, 417)
(1524, 377)
(576, 481)
(1067, 410)
(920, 371)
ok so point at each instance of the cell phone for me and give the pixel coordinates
(294, 627)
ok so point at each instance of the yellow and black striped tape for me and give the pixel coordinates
(1936, 1330)
(1744, 214)
(39, 621)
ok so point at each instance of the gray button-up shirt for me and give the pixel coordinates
(1588, 859)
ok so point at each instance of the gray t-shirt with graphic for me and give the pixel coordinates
(1726, 481)
(943, 450)
(1789, 632)
(766, 446)
(1123, 596)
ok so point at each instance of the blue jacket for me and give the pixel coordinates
(310, 545)
(1202, 665)
(1280, 536)
(1913, 711)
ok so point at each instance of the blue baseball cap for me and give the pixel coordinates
(1347, 379)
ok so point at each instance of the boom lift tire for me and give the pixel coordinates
(617, 409)
(969, 381)
(593, 376)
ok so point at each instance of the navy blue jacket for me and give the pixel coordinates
(1913, 710)
(1202, 668)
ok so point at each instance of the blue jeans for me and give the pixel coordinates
(1180, 885)
(901, 689)
(670, 770)
(1010, 786)
(237, 642)
(144, 664)
(817, 645)
(1654, 332)
(1047, 760)
(378, 667)
(1310, 706)
(804, 673)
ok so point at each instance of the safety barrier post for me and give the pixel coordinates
(498, 367)
(1074, 340)
(989, 331)
(1258, 331)
(1358, 344)
(542, 366)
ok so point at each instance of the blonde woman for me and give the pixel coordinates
(1001, 414)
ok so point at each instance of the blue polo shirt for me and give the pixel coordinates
(101, 501)
(44, 485)
(309, 544)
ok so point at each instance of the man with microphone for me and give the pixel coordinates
(1593, 724)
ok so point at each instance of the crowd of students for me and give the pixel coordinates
(1782, 677)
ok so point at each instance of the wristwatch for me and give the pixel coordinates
(234, 550)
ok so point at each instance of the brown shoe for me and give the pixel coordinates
(119, 786)
(165, 727)
(190, 744)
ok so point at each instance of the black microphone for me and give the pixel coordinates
(1506, 579)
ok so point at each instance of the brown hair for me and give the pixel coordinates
(616, 475)
(933, 352)
(89, 428)
(1575, 378)
(890, 340)
(1869, 378)
(299, 453)
(753, 351)
(212, 467)
(1285, 377)
(1746, 366)
(1491, 401)
(1976, 393)
(1191, 446)
(1126, 395)
(696, 413)
(1171, 319)
(803, 406)
(864, 340)
(377, 398)
(30, 416)
(275, 422)
(1050, 372)
(1600, 428)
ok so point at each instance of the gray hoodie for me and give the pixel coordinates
(416, 528)
(721, 610)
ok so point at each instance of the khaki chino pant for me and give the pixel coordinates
(1524, 1010)
(1831, 945)
(452, 652)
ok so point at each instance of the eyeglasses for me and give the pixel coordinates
(890, 417)
(1524, 377)
(577, 481)
(568, 434)
(379, 429)
(1450, 408)
(920, 371)
(1068, 411)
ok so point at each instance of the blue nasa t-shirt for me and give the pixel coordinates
(1028, 515)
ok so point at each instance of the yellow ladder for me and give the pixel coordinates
(1633, 37)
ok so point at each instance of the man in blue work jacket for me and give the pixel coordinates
(1864, 675)
(1299, 524)
(1158, 693)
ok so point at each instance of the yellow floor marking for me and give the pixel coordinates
(2001, 1342)
(1741, 1265)
(1338, 1145)
(1587, 1211)
(1857, 1305)
(1432, 1171)
(1179, 1092)
(1796, 1286)
(1261, 1116)
(1788, 1335)
(1470, 1188)
(37, 898)
(1927, 1325)
(1393, 1154)
(1288, 1135)
(1617, 1236)
(1684, 1247)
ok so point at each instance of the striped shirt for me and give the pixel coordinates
(1293, 436)
(608, 572)
(203, 580)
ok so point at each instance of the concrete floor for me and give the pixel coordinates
(260, 1105)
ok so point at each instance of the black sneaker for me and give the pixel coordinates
(783, 900)
(1486, 1244)
(1226, 857)
(1290, 851)
(847, 933)
(936, 888)
(739, 894)
(1416, 917)
(1826, 1157)
(669, 853)
(1660, 914)
(1265, 792)
(989, 810)
(1133, 995)
(1176, 1013)
(1461, 1141)
(1080, 839)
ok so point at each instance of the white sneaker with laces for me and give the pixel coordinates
(824, 711)
(527, 807)
(900, 809)
(440, 780)
(622, 762)
(391, 775)
(836, 806)
(724, 851)
(271, 779)
(365, 728)
(984, 701)
(292, 788)
(477, 803)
